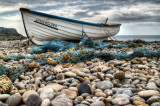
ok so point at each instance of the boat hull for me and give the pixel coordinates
(42, 27)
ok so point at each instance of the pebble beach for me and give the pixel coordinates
(95, 82)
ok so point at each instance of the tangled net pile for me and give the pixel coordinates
(63, 52)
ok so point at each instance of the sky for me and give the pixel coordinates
(138, 17)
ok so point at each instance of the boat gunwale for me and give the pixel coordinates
(68, 19)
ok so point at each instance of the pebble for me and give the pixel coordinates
(55, 87)
(139, 103)
(20, 85)
(27, 94)
(147, 93)
(3, 104)
(46, 102)
(152, 99)
(156, 104)
(60, 76)
(157, 82)
(4, 97)
(100, 94)
(14, 100)
(61, 100)
(119, 75)
(37, 75)
(104, 85)
(143, 67)
(33, 100)
(70, 74)
(69, 93)
(108, 92)
(151, 86)
(97, 103)
(120, 101)
(84, 88)
(81, 105)
(47, 93)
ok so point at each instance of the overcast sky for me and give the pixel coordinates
(138, 17)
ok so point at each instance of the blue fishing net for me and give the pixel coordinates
(86, 50)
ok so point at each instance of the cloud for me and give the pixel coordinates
(12, 18)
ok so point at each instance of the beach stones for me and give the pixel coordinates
(147, 93)
(55, 87)
(34, 65)
(84, 88)
(104, 85)
(120, 100)
(33, 100)
(100, 94)
(137, 60)
(153, 99)
(27, 94)
(69, 93)
(97, 103)
(151, 86)
(47, 93)
(14, 100)
(119, 75)
(4, 97)
(70, 74)
(46, 102)
(50, 61)
(61, 100)
(5, 84)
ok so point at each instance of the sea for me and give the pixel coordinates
(135, 37)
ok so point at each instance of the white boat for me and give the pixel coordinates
(41, 27)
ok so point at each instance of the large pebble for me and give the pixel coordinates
(3, 104)
(70, 74)
(156, 104)
(47, 93)
(69, 93)
(97, 103)
(46, 102)
(143, 67)
(154, 98)
(60, 76)
(61, 101)
(14, 100)
(84, 88)
(120, 101)
(100, 94)
(27, 94)
(104, 85)
(139, 103)
(151, 86)
(147, 93)
(34, 100)
(158, 82)
(55, 87)
(20, 85)
(4, 97)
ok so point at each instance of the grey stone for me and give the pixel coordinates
(127, 92)
(3, 104)
(4, 97)
(47, 93)
(81, 105)
(46, 102)
(152, 99)
(104, 85)
(97, 103)
(151, 86)
(156, 104)
(34, 100)
(14, 100)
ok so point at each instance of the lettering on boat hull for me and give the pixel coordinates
(45, 23)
